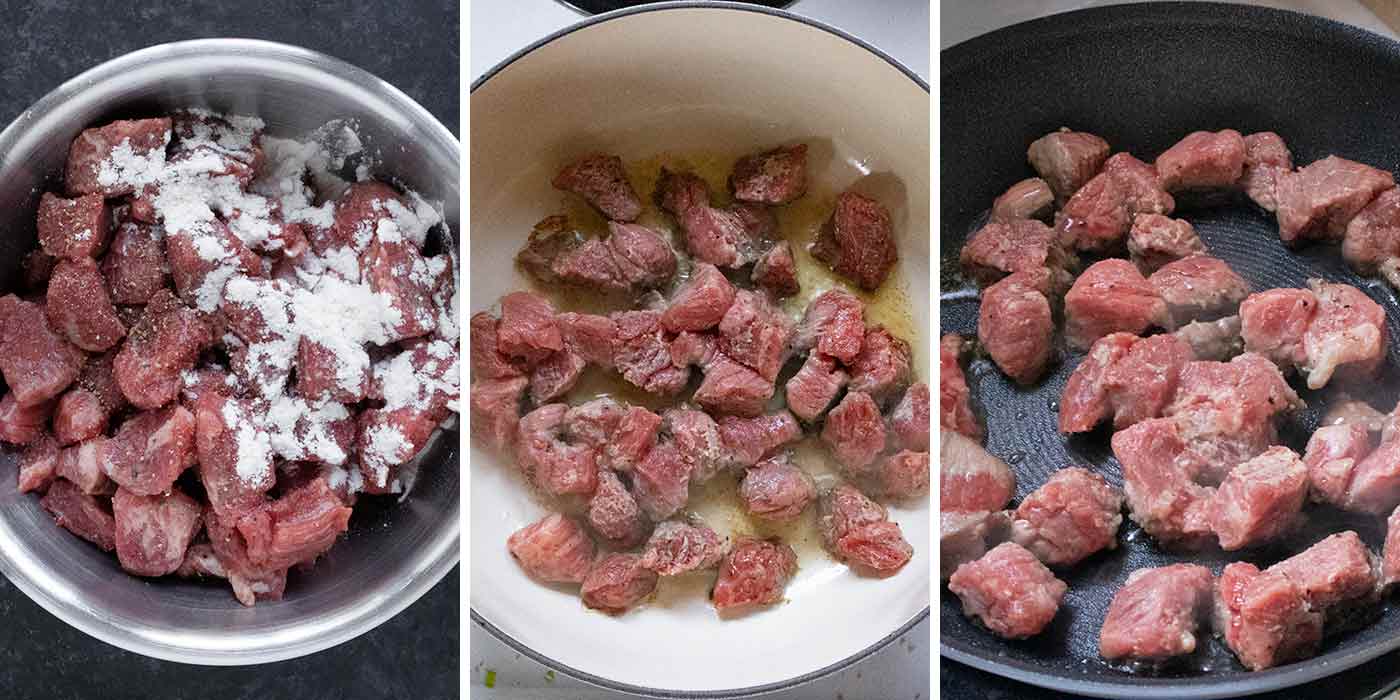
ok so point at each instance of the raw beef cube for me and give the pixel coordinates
(1156, 240)
(235, 455)
(661, 481)
(1111, 296)
(1202, 160)
(1009, 591)
(1016, 326)
(527, 329)
(358, 213)
(1067, 159)
(1265, 617)
(771, 177)
(78, 306)
(695, 349)
(643, 353)
(495, 408)
(203, 259)
(833, 324)
(1198, 288)
(858, 241)
(755, 332)
(883, 367)
(166, 341)
(1390, 557)
(589, 336)
(38, 363)
(135, 267)
(749, 440)
(902, 476)
(1071, 516)
(106, 159)
(151, 449)
(970, 478)
(555, 465)
(1346, 335)
(966, 536)
(1213, 340)
(1273, 323)
(323, 374)
(676, 548)
(1373, 237)
(1260, 500)
(776, 490)
(238, 139)
(153, 532)
(1096, 218)
(297, 527)
(602, 181)
(1332, 455)
(909, 421)
(701, 302)
(855, 432)
(250, 582)
(776, 271)
(753, 574)
(35, 270)
(697, 437)
(73, 228)
(617, 582)
(1030, 198)
(1020, 245)
(954, 396)
(556, 375)
(1161, 492)
(1266, 159)
(22, 425)
(397, 271)
(1337, 570)
(1156, 614)
(38, 464)
(813, 389)
(634, 438)
(857, 531)
(732, 388)
(81, 514)
(82, 466)
(1320, 199)
(1138, 182)
(1085, 400)
(1143, 382)
(614, 515)
(554, 549)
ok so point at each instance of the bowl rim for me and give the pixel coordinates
(751, 691)
(368, 613)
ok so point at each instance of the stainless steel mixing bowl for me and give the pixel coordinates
(396, 551)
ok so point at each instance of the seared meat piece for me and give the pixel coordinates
(643, 354)
(882, 369)
(1156, 614)
(909, 421)
(855, 433)
(488, 362)
(552, 459)
(1071, 516)
(698, 438)
(1018, 245)
(1156, 240)
(1266, 159)
(858, 531)
(1374, 483)
(1347, 335)
(1016, 326)
(1273, 322)
(1139, 183)
(1332, 455)
(970, 478)
(753, 574)
(1260, 500)
(1373, 237)
(776, 490)
(1030, 198)
(1108, 297)
(776, 271)
(814, 388)
(613, 513)
(602, 181)
(617, 582)
(755, 332)
(1264, 617)
(701, 302)
(857, 242)
(902, 476)
(1162, 494)
(771, 177)
(748, 440)
(554, 549)
(1213, 340)
(632, 258)
(1009, 591)
(1202, 160)
(1320, 199)
(954, 396)
(1198, 288)
(833, 324)
(1067, 159)
(1335, 573)
(1130, 378)
(721, 237)
(676, 548)
(965, 536)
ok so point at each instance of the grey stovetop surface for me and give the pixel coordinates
(414, 45)
(901, 670)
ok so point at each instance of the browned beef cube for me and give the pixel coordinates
(614, 514)
(771, 177)
(732, 388)
(776, 271)
(833, 324)
(661, 481)
(643, 353)
(909, 421)
(811, 391)
(855, 432)
(488, 362)
(1019, 245)
(756, 332)
(882, 369)
(527, 329)
(1156, 240)
(677, 547)
(555, 465)
(602, 181)
(495, 407)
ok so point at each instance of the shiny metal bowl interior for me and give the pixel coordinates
(395, 551)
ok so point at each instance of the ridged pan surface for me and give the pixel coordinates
(1143, 76)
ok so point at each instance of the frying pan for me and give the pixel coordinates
(1143, 76)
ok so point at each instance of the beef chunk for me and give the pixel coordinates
(678, 193)
(249, 581)
(1156, 240)
(527, 329)
(235, 455)
(555, 464)
(358, 213)
(776, 271)
(749, 440)
(954, 396)
(203, 258)
(1390, 558)
(101, 160)
(902, 476)
(614, 515)
(1331, 457)
(698, 438)
(554, 549)
(1019, 245)
(602, 181)
(73, 228)
(1162, 494)
(397, 272)
(495, 409)
(733, 389)
(1139, 184)
(135, 268)
(1198, 288)
(676, 548)
(1129, 378)
(1110, 296)
(813, 389)
(82, 466)
(631, 259)
(153, 532)
(966, 536)
(1265, 617)
(1009, 591)
(833, 324)
(1030, 198)
(22, 425)
(700, 304)
(297, 527)
(753, 574)
(1096, 217)
(1067, 159)
(756, 332)
(1157, 612)
(858, 241)
(1213, 340)
(721, 237)
(883, 367)
(38, 364)
(1335, 572)
(1273, 322)
(38, 464)
(1071, 516)
(643, 353)
(855, 432)
(771, 177)
(661, 481)
(590, 336)
(617, 582)
(151, 449)
(1373, 237)
(81, 514)
(1346, 336)
(776, 490)
(165, 341)
(1266, 159)
(1320, 199)
(78, 306)
(556, 375)
(1202, 160)
(970, 478)
(1260, 500)
(1015, 325)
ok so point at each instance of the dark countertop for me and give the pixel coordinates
(413, 44)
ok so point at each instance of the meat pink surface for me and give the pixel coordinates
(777, 176)
(1030, 198)
(1266, 159)
(1157, 613)
(616, 582)
(1004, 247)
(1111, 296)
(602, 181)
(1260, 499)
(1067, 159)
(1203, 160)
(954, 396)
(153, 532)
(776, 271)
(858, 241)
(1009, 591)
(1015, 325)
(73, 228)
(37, 363)
(677, 547)
(855, 432)
(776, 489)
(1156, 240)
(833, 324)
(753, 574)
(1198, 288)
(1071, 516)
(970, 478)
(1319, 199)
(554, 549)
